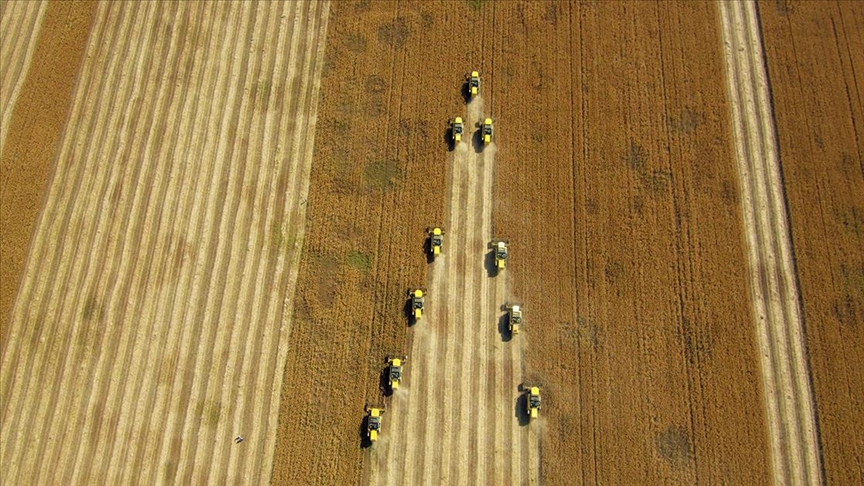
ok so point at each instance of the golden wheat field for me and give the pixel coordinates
(212, 213)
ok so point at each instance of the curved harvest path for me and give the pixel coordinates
(151, 326)
(455, 421)
(785, 374)
(20, 23)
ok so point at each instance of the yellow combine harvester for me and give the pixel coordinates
(456, 129)
(502, 251)
(436, 240)
(532, 402)
(514, 318)
(474, 83)
(418, 297)
(373, 421)
(487, 131)
(395, 375)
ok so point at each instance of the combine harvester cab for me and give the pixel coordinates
(457, 127)
(502, 252)
(487, 131)
(514, 318)
(418, 301)
(436, 240)
(474, 83)
(395, 374)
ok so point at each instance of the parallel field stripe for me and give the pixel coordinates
(44, 358)
(171, 401)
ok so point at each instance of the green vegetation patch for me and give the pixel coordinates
(675, 446)
(280, 240)
(382, 174)
(360, 260)
(475, 4)
(211, 412)
(394, 34)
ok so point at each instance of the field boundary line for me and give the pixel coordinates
(289, 267)
(774, 292)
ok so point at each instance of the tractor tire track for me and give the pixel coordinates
(775, 297)
(455, 421)
(452, 317)
(482, 441)
(243, 246)
(39, 309)
(159, 326)
(154, 404)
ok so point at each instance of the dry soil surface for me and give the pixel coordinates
(774, 290)
(815, 57)
(150, 328)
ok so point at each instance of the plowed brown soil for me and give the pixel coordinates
(815, 55)
(616, 184)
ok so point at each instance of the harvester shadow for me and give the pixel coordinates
(448, 139)
(521, 410)
(477, 141)
(384, 382)
(504, 328)
(466, 92)
(365, 442)
(409, 312)
(427, 249)
(489, 264)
